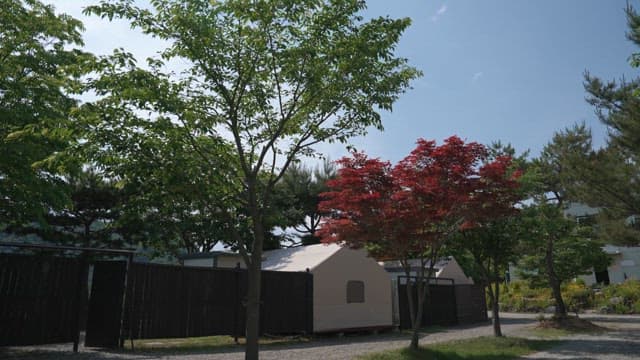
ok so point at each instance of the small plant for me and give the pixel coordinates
(578, 297)
(619, 298)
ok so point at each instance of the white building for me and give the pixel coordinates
(625, 264)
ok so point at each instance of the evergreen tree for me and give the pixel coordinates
(297, 198)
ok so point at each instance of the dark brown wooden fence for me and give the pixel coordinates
(471, 304)
(38, 299)
(104, 320)
(165, 301)
(447, 305)
(439, 309)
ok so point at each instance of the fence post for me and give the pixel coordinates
(309, 299)
(236, 302)
(128, 284)
(78, 304)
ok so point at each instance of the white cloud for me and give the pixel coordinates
(439, 12)
(477, 76)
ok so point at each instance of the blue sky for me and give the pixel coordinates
(494, 69)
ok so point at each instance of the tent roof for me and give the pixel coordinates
(298, 258)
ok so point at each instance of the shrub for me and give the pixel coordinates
(577, 296)
(520, 297)
(620, 298)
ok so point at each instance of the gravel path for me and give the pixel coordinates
(621, 343)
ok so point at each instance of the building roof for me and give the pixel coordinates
(298, 258)
(207, 255)
(396, 266)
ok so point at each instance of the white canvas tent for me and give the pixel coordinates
(350, 290)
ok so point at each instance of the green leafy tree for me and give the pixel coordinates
(264, 82)
(40, 65)
(492, 241)
(174, 199)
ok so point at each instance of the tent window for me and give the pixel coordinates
(355, 291)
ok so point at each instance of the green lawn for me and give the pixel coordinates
(548, 333)
(204, 343)
(482, 348)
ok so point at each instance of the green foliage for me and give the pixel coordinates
(578, 296)
(40, 65)
(296, 199)
(480, 348)
(555, 246)
(611, 178)
(557, 167)
(574, 252)
(90, 219)
(620, 298)
(264, 82)
(520, 296)
(611, 228)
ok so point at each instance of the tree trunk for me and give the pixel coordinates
(554, 282)
(254, 276)
(494, 294)
(495, 300)
(253, 311)
(412, 315)
(416, 310)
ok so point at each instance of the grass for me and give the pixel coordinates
(482, 348)
(548, 333)
(570, 324)
(431, 329)
(204, 343)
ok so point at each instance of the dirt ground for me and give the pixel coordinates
(622, 341)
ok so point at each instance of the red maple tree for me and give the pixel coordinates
(408, 211)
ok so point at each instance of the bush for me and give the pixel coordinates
(578, 297)
(520, 297)
(623, 298)
(620, 298)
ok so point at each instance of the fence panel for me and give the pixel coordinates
(166, 301)
(287, 303)
(38, 299)
(471, 304)
(105, 305)
(439, 308)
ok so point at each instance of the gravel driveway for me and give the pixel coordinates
(622, 343)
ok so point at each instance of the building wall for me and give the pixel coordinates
(625, 264)
(331, 312)
(206, 262)
(230, 261)
(453, 271)
(450, 269)
(220, 261)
